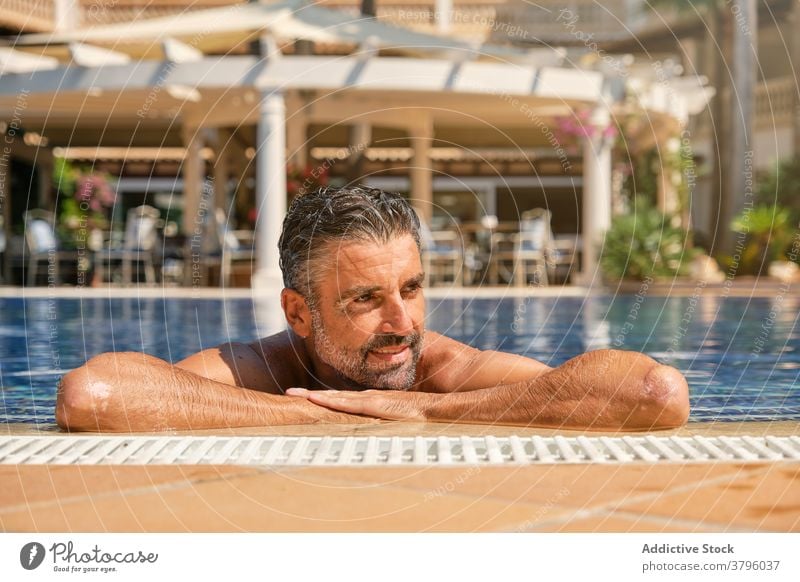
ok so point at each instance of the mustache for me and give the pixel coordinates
(412, 340)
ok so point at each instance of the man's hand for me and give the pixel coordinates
(387, 404)
(601, 390)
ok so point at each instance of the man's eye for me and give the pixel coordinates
(364, 298)
(413, 288)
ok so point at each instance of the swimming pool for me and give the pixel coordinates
(740, 355)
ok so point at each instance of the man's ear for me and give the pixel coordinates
(297, 312)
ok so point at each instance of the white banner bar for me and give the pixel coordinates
(399, 557)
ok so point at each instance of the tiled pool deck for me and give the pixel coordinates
(662, 497)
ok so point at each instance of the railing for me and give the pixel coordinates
(40, 15)
(775, 101)
(469, 19)
(566, 21)
(509, 20)
(110, 11)
(27, 15)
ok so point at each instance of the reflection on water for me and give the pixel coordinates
(741, 356)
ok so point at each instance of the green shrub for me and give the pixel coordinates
(644, 244)
(763, 235)
(781, 186)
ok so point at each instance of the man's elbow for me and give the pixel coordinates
(83, 397)
(668, 399)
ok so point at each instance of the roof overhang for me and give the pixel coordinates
(155, 84)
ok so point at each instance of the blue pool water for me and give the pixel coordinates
(741, 356)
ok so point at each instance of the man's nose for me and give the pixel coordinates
(396, 317)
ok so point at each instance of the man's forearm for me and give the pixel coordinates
(598, 390)
(135, 392)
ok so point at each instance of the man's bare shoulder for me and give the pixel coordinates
(439, 347)
(284, 358)
(448, 365)
(441, 357)
(271, 364)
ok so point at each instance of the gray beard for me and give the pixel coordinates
(353, 366)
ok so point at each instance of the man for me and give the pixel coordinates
(357, 350)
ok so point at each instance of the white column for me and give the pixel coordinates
(270, 190)
(193, 176)
(596, 198)
(444, 15)
(67, 15)
(422, 170)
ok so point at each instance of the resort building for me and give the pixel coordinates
(478, 117)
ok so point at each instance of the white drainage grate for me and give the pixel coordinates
(371, 451)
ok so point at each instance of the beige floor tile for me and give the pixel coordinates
(399, 499)
(768, 501)
(612, 523)
(272, 502)
(31, 484)
(575, 486)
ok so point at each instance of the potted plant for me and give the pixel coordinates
(765, 232)
(645, 245)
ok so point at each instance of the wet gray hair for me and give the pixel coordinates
(336, 215)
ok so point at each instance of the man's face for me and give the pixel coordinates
(368, 321)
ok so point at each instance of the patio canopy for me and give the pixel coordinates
(311, 72)
(219, 30)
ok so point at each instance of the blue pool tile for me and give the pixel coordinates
(736, 371)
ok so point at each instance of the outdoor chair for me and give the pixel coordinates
(442, 255)
(139, 245)
(523, 256)
(562, 257)
(559, 253)
(41, 245)
(218, 248)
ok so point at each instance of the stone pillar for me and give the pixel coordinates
(193, 176)
(270, 190)
(596, 198)
(422, 170)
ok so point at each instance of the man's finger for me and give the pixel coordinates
(331, 399)
(368, 403)
(341, 401)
